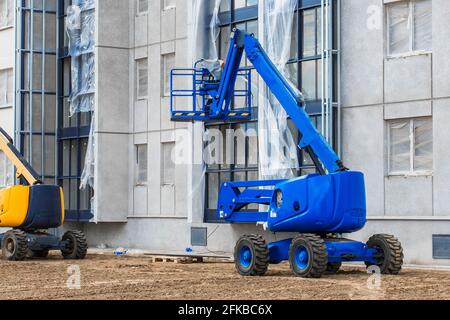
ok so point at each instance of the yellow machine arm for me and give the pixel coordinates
(23, 168)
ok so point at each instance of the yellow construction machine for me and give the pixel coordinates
(29, 210)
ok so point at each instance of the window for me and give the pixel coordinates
(6, 87)
(6, 13)
(168, 4)
(141, 164)
(167, 164)
(231, 154)
(168, 65)
(142, 78)
(409, 27)
(305, 64)
(142, 6)
(410, 146)
(5, 171)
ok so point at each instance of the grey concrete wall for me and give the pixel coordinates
(112, 129)
(378, 88)
(157, 33)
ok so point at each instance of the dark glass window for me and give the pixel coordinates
(239, 161)
(73, 132)
(53, 142)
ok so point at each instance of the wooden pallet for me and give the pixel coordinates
(174, 259)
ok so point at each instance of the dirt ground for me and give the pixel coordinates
(127, 277)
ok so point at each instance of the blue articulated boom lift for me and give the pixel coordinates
(319, 207)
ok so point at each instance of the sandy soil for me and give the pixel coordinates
(126, 277)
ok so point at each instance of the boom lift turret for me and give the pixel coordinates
(319, 207)
(30, 209)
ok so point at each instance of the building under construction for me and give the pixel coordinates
(85, 89)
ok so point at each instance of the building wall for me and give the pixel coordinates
(377, 89)
(6, 84)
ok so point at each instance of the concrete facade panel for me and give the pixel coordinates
(441, 48)
(113, 96)
(409, 196)
(363, 150)
(441, 154)
(111, 177)
(408, 78)
(362, 52)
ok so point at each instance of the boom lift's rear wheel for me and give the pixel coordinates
(390, 259)
(308, 256)
(76, 247)
(251, 255)
(15, 245)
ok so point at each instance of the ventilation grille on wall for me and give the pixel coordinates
(441, 246)
(199, 237)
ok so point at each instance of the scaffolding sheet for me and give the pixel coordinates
(81, 29)
(278, 152)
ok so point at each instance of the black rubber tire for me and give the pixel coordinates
(38, 253)
(77, 245)
(391, 253)
(260, 255)
(14, 245)
(317, 252)
(333, 267)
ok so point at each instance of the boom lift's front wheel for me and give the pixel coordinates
(251, 255)
(76, 245)
(390, 253)
(15, 245)
(308, 256)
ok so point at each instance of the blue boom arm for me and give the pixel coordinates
(296, 204)
(312, 141)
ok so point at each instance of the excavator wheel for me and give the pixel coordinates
(15, 245)
(76, 247)
(251, 255)
(390, 258)
(308, 256)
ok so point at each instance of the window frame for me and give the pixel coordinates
(8, 72)
(412, 172)
(411, 50)
(137, 180)
(164, 164)
(138, 11)
(9, 22)
(168, 7)
(138, 87)
(166, 71)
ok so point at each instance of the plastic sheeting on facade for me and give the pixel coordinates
(410, 146)
(81, 28)
(80, 23)
(410, 26)
(6, 171)
(278, 152)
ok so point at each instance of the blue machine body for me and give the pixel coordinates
(331, 202)
(339, 250)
